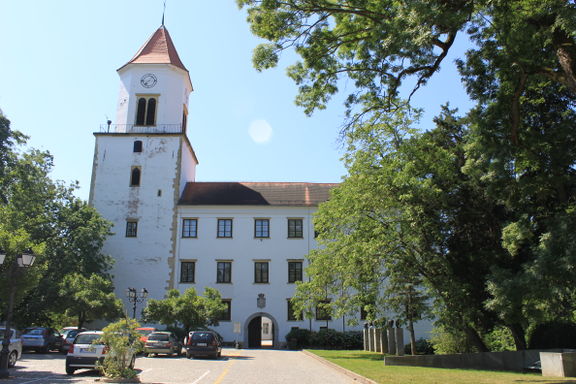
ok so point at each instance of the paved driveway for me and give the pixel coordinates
(235, 366)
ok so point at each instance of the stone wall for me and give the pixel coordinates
(518, 361)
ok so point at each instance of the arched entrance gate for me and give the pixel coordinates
(261, 331)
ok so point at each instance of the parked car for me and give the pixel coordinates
(14, 348)
(43, 339)
(162, 342)
(84, 353)
(144, 332)
(69, 334)
(203, 343)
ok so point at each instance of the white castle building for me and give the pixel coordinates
(248, 240)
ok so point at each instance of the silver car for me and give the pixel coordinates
(14, 348)
(84, 353)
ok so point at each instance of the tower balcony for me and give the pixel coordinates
(132, 128)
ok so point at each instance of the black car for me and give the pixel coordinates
(203, 343)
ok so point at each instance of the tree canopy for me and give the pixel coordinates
(187, 309)
(480, 207)
(41, 215)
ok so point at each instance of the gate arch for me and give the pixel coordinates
(246, 330)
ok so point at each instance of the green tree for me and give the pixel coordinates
(46, 213)
(188, 309)
(516, 149)
(90, 298)
(382, 44)
(123, 341)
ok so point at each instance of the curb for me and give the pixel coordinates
(347, 372)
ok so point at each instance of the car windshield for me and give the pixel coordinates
(71, 333)
(37, 331)
(159, 337)
(86, 338)
(144, 332)
(202, 336)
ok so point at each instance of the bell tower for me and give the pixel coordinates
(141, 164)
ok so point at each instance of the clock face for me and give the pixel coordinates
(148, 80)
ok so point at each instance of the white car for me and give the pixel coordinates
(14, 348)
(84, 354)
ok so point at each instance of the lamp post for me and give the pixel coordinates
(24, 260)
(135, 297)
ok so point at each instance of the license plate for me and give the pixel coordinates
(201, 344)
(90, 350)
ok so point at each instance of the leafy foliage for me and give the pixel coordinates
(44, 216)
(324, 338)
(480, 209)
(122, 341)
(188, 309)
(90, 298)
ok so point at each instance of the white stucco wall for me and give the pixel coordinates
(142, 261)
(173, 89)
(243, 249)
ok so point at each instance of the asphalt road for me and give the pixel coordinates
(235, 366)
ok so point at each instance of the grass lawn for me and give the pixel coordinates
(370, 365)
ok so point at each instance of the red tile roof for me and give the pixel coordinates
(236, 193)
(159, 49)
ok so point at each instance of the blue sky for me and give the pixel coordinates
(58, 83)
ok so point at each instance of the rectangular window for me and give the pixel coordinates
(292, 316)
(187, 270)
(224, 272)
(294, 271)
(262, 228)
(295, 229)
(226, 315)
(261, 272)
(131, 228)
(224, 227)
(323, 310)
(189, 228)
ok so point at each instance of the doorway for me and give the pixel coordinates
(261, 331)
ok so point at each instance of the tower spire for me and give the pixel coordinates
(163, 12)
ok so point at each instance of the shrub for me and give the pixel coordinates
(325, 338)
(553, 335)
(423, 347)
(123, 341)
(450, 341)
(298, 338)
(499, 340)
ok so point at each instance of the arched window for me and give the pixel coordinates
(138, 146)
(151, 112)
(141, 111)
(146, 110)
(135, 177)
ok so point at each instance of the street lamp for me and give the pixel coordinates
(136, 297)
(24, 260)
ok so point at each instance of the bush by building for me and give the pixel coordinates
(325, 338)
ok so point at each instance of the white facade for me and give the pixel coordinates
(149, 243)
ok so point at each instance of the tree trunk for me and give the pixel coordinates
(81, 319)
(475, 339)
(519, 336)
(412, 337)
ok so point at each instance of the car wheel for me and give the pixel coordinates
(12, 357)
(69, 370)
(43, 350)
(188, 355)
